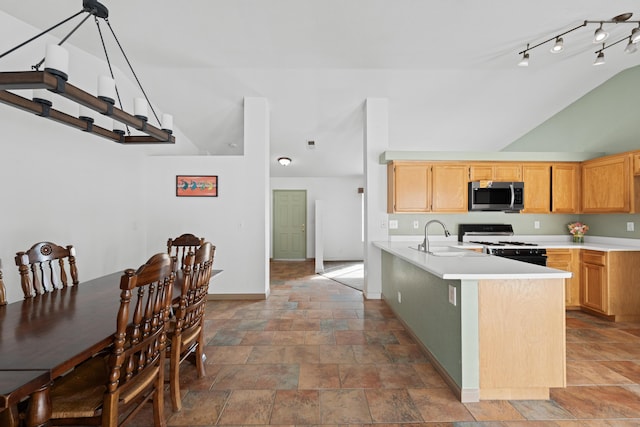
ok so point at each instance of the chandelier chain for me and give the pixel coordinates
(106, 55)
(132, 70)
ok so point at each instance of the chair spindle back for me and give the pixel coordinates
(46, 267)
(182, 245)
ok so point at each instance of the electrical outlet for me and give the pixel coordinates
(536, 225)
(452, 295)
(399, 298)
(416, 224)
(630, 226)
(393, 224)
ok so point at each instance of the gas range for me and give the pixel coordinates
(519, 251)
(502, 243)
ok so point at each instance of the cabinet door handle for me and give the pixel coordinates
(302, 228)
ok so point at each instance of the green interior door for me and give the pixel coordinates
(289, 224)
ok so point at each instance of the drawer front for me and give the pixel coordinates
(594, 257)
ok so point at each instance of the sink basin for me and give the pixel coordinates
(448, 251)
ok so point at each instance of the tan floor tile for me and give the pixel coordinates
(200, 408)
(248, 407)
(589, 373)
(296, 407)
(319, 338)
(344, 407)
(318, 375)
(493, 410)
(598, 401)
(350, 337)
(227, 354)
(288, 337)
(439, 405)
(336, 354)
(392, 406)
(360, 376)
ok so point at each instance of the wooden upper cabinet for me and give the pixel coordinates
(449, 188)
(606, 184)
(565, 188)
(495, 171)
(537, 187)
(408, 187)
(636, 163)
(426, 187)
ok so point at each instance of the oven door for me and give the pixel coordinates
(531, 259)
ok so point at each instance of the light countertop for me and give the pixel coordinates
(471, 266)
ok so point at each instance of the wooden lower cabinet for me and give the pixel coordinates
(595, 289)
(610, 284)
(568, 260)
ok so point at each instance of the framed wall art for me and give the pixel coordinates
(196, 185)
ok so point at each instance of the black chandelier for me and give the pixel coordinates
(53, 79)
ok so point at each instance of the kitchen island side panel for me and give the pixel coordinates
(426, 310)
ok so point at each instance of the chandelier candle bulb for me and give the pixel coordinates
(107, 89)
(56, 61)
(85, 113)
(140, 108)
(167, 122)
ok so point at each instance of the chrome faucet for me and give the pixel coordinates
(425, 243)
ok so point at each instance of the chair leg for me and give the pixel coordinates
(158, 400)
(174, 376)
(9, 417)
(200, 356)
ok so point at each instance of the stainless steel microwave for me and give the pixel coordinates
(496, 196)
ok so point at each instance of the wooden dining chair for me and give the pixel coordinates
(109, 390)
(46, 267)
(186, 337)
(182, 245)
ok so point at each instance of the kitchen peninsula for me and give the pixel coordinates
(493, 327)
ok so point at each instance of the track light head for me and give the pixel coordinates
(599, 59)
(635, 35)
(558, 45)
(524, 62)
(631, 47)
(600, 35)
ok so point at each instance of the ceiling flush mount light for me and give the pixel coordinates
(599, 36)
(284, 161)
(53, 79)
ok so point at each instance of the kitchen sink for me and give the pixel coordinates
(448, 251)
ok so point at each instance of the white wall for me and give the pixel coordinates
(342, 212)
(235, 221)
(65, 186)
(69, 187)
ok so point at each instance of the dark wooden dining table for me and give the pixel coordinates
(56, 331)
(43, 337)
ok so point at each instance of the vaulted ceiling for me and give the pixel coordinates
(448, 68)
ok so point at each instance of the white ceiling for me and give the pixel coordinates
(448, 68)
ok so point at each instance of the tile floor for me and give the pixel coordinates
(316, 353)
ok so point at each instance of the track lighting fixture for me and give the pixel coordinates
(599, 36)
